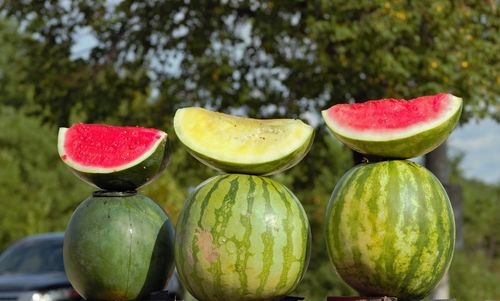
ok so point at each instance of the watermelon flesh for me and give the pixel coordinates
(249, 145)
(104, 146)
(389, 114)
(395, 128)
(113, 157)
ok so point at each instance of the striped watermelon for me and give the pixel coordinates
(242, 237)
(390, 229)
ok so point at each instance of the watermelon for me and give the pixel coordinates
(118, 246)
(390, 229)
(243, 145)
(395, 128)
(241, 237)
(113, 157)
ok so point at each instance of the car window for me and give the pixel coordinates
(33, 257)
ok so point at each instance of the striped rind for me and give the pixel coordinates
(241, 237)
(390, 229)
(237, 144)
(406, 143)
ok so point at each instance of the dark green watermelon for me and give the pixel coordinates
(118, 246)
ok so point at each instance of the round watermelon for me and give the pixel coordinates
(242, 237)
(118, 246)
(243, 145)
(116, 158)
(395, 128)
(390, 229)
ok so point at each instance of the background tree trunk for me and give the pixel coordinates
(456, 197)
(437, 162)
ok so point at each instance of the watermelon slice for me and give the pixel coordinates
(243, 145)
(395, 128)
(113, 157)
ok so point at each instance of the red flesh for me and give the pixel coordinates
(388, 114)
(107, 146)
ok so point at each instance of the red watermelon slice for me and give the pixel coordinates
(395, 128)
(113, 157)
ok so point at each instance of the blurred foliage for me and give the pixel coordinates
(263, 56)
(475, 271)
(474, 276)
(15, 91)
(37, 193)
(481, 212)
(259, 58)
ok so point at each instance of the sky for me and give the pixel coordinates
(479, 141)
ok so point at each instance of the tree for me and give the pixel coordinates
(475, 268)
(265, 56)
(15, 91)
(36, 192)
(263, 59)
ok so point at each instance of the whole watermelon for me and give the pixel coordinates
(242, 237)
(390, 229)
(118, 246)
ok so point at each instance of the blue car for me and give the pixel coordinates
(32, 269)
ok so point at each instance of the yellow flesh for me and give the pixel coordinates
(238, 139)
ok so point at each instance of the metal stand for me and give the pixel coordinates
(361, 299)
(373, 299)
(166, 296)
(162, 296)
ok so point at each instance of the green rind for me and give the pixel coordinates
(118, 246)
(261, 169)
(131, 178)
(404, 148)
(390, 229)
(242, 237)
